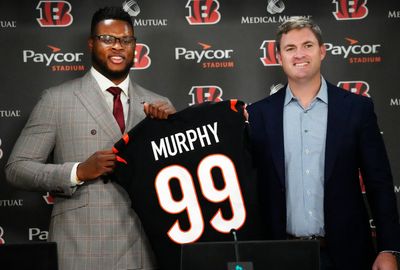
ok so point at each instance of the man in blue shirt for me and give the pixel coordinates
(311, 139)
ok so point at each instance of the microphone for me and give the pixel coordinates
(238, 265)
(237, 256)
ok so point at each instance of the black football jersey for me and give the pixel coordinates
(190, 178)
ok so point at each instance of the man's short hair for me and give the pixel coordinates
(115, 13)
(297, 22)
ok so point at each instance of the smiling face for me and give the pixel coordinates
(113, 61)
(301, 55)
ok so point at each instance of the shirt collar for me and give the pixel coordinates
(106, 83)
(322, 93)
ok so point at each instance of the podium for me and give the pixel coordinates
(264, 255)
(31, 255)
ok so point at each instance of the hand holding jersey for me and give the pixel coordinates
(103, 162)
(158, 110)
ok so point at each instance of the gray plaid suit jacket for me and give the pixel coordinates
(93, 224)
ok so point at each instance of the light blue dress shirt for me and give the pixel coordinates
(304, 142)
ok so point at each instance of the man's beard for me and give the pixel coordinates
(110, 74)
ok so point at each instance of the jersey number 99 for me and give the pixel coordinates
(189, 201)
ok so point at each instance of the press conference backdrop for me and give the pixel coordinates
(190, 51)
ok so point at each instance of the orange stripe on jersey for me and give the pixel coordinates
(126, 138)
(115, 150)
(120, 159)
(233, 105)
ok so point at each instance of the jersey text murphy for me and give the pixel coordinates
(185, 141)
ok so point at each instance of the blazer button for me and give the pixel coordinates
(93, 132)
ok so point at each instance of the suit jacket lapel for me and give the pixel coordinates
(136, 100)
(91, 97)
(338, 110)
(273, 116)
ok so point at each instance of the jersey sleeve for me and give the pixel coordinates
(123, 171)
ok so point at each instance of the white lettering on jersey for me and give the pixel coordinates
(185, 141)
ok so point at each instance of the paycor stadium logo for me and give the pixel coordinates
(207, 57)
(355, 52)
(55, 59)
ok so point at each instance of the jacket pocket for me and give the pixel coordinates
(80, 198)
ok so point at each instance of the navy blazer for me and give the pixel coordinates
(353, 144)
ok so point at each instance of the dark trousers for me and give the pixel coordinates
(325, 261)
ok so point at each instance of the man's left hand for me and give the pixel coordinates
(159, 109)
(385, 261)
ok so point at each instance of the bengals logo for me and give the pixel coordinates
(202, 94)
(203, 12)
(142, 59)
(48, 198)
(350, 9)
(54, 13)
(269, 53)
(1, 151)
(362, 185)
(2, 241)
(356, 87)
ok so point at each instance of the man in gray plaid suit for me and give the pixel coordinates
(76, 124)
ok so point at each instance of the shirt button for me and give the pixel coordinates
(306, 130)
(307, 151)
(310, 212)
(307, 171)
